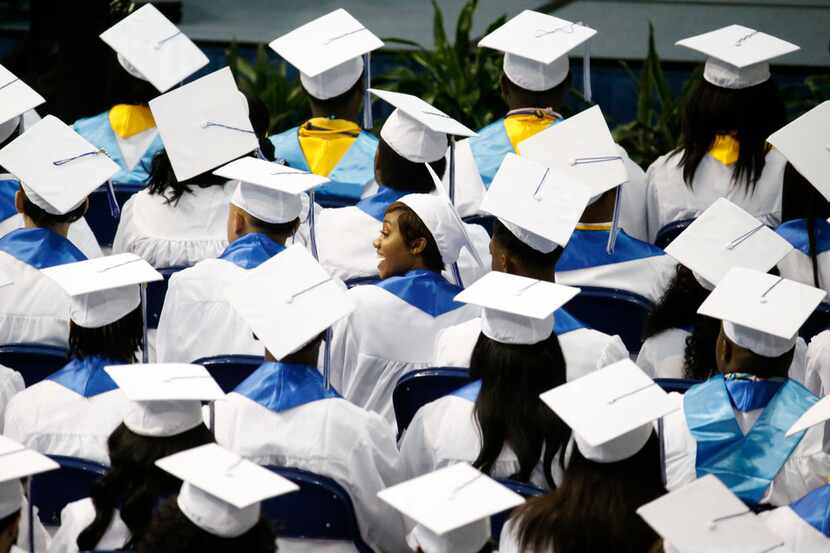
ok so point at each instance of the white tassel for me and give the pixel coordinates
(615, 223)
(368, 123)
(586, 73)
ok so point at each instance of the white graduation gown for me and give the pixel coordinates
(11, 383)
(383, 339)
(75, 517)
(668, 199)
(818, 364)
(797, 534)
(803, 471)
(41, 535)
(798, 266)
(79, 234)
(167, 235)
(330, 437)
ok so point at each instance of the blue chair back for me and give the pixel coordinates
(98, 215)
(525, 490)
(818, 322)
(613, 311)
(230, 370)
(360, 281)
(320, 510)
(670, 231)
(51, 491)
(679, 385)
(33, 361)
(485, 221)
(417, 388)
(156, 292)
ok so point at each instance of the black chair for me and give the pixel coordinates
(361, 281)
(818, 322)
(525, 490)
(98, 215)
(670, 231)
(613, 311)
(320, 510)
(52, 491)
(679, 385)
(33, 361)
(230, 370)
(485, 221)
(156, 292)
(417, 388)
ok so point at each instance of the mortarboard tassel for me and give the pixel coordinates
(586, 72)
(615, 222)
(368, 122)
(115, 210)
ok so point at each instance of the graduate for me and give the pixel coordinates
(218, 506)
(517, 250)
(263, 215)
(726, 121)
(329, 53)
(612, 467)
(414, 135)
(497, 423)
(393, 328)
(73, 411)
(57, 169)
(286, 414)
(181, 217)
(735, 424)
(166, 420)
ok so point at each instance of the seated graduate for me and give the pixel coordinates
(181, 217)
(287, 414)
(733, 425)
(73, 411)
(331, 143)
(55, 181)
(218, 507)
(726, 120)
(118, 513)
(518, 250)
(196, 320)
(498, 423)
(392, 331)
(612, 467)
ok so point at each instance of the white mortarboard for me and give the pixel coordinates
(204, 124)
(443, 222)
(222, 491)
(540, 205)
(154, 47)
(806, 144)
(167, 396)
(289, 300)
(761, 312)
(726, 236)
(516, 309)
(610, 410)
(536, 48)
(269, 191)
(705, 516)
(16, 98)
(104, 289)
(452, 507)
(16, 462)
(738, 57)
(56, 166)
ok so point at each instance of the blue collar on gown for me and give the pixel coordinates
(748, 394)
(86, 376)
(469, 391)
(8, 189)
(587, 248)
(814, 509)
(40, 247)
(283, 386)
(251, 250)
(425, 290)
(375, 205)
(795, 232)
(564, 322)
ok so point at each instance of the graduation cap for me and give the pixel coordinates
(536, 47)
(16, 98)
(610, 410)
(443, 222)
(738, 57)
(516, 309)
(761, 312)
(56, 166)
(725, 236)
(452, 507)
(16, 462)
(806, 144)
(204, 124)
(540, 205)
(152, 48)
(331, 52)
(222, 491)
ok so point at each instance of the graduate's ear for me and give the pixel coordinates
(505, 89)
(18, 201)
(418, 246)
(724, 351)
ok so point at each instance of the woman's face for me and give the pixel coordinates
(394, 255)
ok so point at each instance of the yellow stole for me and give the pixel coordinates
(325, 141)
(522, 126)
(127, 120)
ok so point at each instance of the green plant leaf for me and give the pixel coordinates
(462, 31)
(439, 36)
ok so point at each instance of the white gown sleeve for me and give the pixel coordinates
(653, 223)
(42, 539)
(633, 207)
(417, 454)
(11, 382)
(818, 363)
(170, 344)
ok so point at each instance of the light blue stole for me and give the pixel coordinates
(814, 509)
(349, 176)
(747, 464)
(86, 376)
(251, 250)
(375, 205)
(489, 148)
(425, 290)
(8, 189)
(469, 391)
(587, 249)
(98, 131)
(40, 247)
(564, 322)
(795, 232)
(283, 386)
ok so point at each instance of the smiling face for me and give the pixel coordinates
(396, 257)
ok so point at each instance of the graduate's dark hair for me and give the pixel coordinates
(172, 532)
(595, 507)
(8, 520)
(42, 219)
(552, 98)
(134, 484)
(339, 103)
(533, 258)
(699, 360)
(119, 340)
(751, 114)
(412, 228)
(397, 172)
(508, 410)
(801, 200)
(678, 305)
